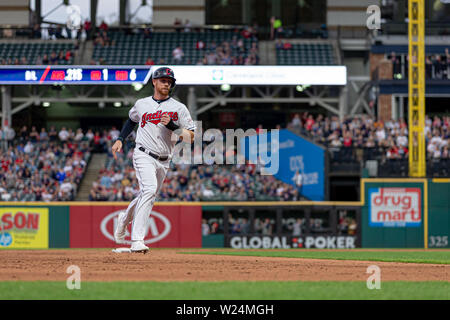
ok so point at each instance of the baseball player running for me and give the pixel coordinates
(158, 117)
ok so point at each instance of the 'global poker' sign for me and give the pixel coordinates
(395, 207)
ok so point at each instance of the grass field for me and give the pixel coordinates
(430, 256)
(253, 290)
(230, 290)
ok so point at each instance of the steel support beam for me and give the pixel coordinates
(343, 103)
(192, 102)
(6, 107)
(269, 100)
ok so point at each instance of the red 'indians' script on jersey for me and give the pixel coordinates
(151, 133)
(155, 117)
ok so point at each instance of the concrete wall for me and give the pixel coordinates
(348, 12)
(14, 12)
(165, 11)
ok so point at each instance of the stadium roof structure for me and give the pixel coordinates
(223, 85)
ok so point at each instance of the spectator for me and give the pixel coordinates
(352, 227)
(211, 58)
(199, 45)
(205, 228)
(36, 33)
(79, 135)
(287, 46)
(177, 55)
(148, 33)
(279, 44)
(276, 27)
(149, 62)
(52, 134)
(24, 134)
(63, 134)
(45, 59)
(267, 227)
(245, 226)
(114, 133)
(89, 135)
(61, 57)
(103, 26)
(177, 24)
(60, 175)
(297, 228)
(187, 26)
(298, 180)
(28, 147)
(34, 135)
(87, 28)
(38, 60)
(53, 58)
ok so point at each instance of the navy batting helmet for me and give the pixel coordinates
(163, 72)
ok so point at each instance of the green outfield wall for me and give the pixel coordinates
(439, 213)
(392, 213)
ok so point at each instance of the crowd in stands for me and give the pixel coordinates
(62, 57)
(42, 165)
(364, 132)
(49, 165)
(295, 226)
(49, 32)
(437, 66)
(185, 182)
(228, 53)
(233, 52)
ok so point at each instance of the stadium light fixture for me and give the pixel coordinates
(117, 104)
(46, 104)
(137, 86)
(225, 87)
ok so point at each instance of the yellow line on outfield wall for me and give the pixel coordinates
(441, 180)
(209, 203)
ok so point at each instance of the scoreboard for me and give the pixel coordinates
(74, 74)
(192, 75)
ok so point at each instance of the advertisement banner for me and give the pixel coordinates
(167, 227)
(24, 227)
(394, 213)
(294, 156)
(289, 242)
(395, 207)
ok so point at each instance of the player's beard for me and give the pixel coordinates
(164, 91)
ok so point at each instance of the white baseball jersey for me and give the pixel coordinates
(151, 133)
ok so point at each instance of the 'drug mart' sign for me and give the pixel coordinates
(395, 207)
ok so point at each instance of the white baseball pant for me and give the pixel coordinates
(150, 174)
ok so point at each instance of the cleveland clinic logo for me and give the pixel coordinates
(158, 227)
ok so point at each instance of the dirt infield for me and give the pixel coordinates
(170, 265)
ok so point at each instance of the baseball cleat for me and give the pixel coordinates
(139, 246)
